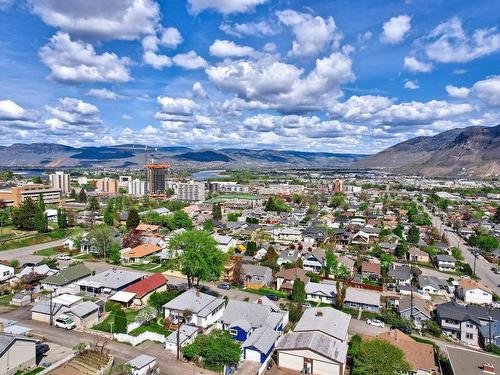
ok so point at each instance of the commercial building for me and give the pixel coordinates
(190, 191)
(227, 187)
(18, 194)
(137, 187)
(157, 178)
(107, 185)
(61, 181)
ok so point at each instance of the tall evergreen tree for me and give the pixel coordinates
(133, 219)
(217, 212)
(73, 195)
(82, 197)
(41, 203)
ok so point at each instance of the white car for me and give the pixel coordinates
(64, 321)
(63, 257)
(375, 322)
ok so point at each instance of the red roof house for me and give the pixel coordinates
(145, 287)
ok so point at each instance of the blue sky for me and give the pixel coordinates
(339, 76)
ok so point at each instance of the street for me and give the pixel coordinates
(483, 268)
(24, 254)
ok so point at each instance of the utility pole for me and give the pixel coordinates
(51, 312)
(475, 257)
(178, 337)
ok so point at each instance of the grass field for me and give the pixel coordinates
(150, 267)
(40, 238)
(46, 252)
(5, 300)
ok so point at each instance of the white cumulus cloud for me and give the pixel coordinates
(395, 30)
(226, 48)
(224, 6)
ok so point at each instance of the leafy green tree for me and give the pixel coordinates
(158, 299)
(216, 350)
(200, 260)
(182, 220)
(24, 215)
(208, 226)
(379, 357)
(102, 237)
(217, 212)
(484, 242)
(354, 346)
(331, 263)
(82, 196)
(14, 263)
(276, 204)
(233, 216)
(109, 213)
(337, 200)
(341, 290)
(251, 248)
(73, 195)
(401, 250)
(94, 209)
(114, 253)
(413, 234)
(398, 231)
(120, 320)
(133, 219)
(299, 291)
(50, 262)
(252, 220)
(295, 311)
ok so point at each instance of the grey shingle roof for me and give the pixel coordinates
(141, 361)
(6, 340)
(262, 339)
(400, 273)
(249, 315)
(85, 308)
(331, 322)
(317, 342)
(195, 301)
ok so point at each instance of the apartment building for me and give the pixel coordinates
(227, 187)
(190, 191)
(137, 187)
(61, 181)
(18, 194)
(107, 185)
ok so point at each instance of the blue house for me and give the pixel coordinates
(257, 325)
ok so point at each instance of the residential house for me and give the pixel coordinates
(143, 365)
(318, 344)
(456, 321)
(388, 247)
(288, 256)
(445, 262)
(288, 234)
(400, 274)
(17, 353)
(340, 237)
(65, 277)
(255, 277)
(472, 362)
(256, 325)
(224, 243)
(148, 229)
(370, 270)
(417, 310)
(204, 309)
(140, 253)
(366, 236)
(321, 292)
(147, 286)
(6, 272)
(420, 356)
(431, 284)
(314, 260)
(471, 291)
(42, 311)
(363, 299)
(187, 334)
(417, 255)
(286, 277)
(85, 314)
(347, 262)
(109, 282)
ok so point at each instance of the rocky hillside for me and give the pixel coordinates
(472, 151)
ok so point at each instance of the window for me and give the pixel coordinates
(469, 336)
(233, 332)
(469, 325)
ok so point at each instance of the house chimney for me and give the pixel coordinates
(259, 301)
(488, 368)
(319, 313)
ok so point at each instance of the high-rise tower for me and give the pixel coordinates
(157, 178)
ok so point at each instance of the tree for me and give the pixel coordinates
(276, 204)
(23, 216)
(341, 290)
(41, 202)
(146, 315)
(158, 299)
(233, 216)
(252, 220)
(41, 222)
(94, 209)
(102, 237)
(133, 219)
(50, 262)
(299, 291)
(398, 231)
(114, 253)
(73, 195)
(200, 259)
(216, 350)
(413, 234)
(62, 218)
(80, 347)
(14, 263)
(337, 200)
(181, 220)
(82, 196)
(251, 248)
(208, 225)
(354, 346)
(496, 218)
(217, 212)
(120, 320)
(109, 214)
(400, 250)
(379, 357)
(331, 263)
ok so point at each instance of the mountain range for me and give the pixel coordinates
(472, 151)
(50, 155)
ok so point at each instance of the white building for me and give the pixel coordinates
(190, 191)
(61, 181)
(474, 292)
(137, 187)
(6, 272)
(227, 187)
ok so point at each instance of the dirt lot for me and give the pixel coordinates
(56, 353)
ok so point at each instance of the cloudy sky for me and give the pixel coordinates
(336, 75)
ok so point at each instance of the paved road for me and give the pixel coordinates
(24, 254)
(121, 352)
(483, 268)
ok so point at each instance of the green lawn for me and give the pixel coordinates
(150, 267)
(5, 300)
(39, 238)
(151, 327)
(105, 325)
(46, 252)
(36, 370)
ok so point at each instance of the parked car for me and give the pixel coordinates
(306, 305)
(64, 321)
(28, 264)
(272, 297)
(224, 286)
(403, 329)
(375, 322)
(63, 257)
(42, 349)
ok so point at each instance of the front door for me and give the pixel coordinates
(308, 366)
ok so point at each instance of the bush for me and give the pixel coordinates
(112, 306)
(120, 319)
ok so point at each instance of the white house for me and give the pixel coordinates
(6, 272)
(445, 262)
(290, 235)
(143, 365)
(474, 292)
(224, 243)
(204, 309)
